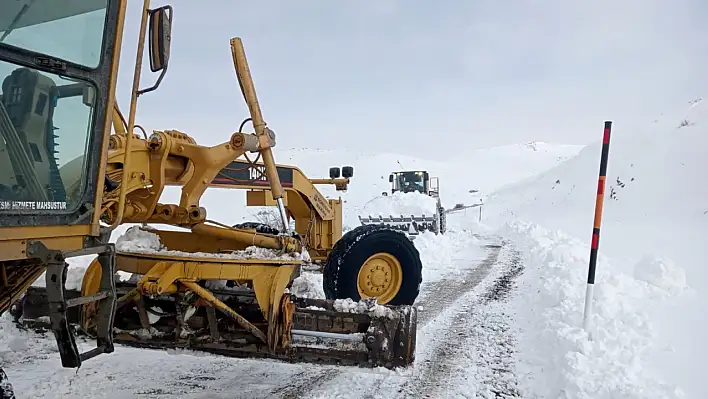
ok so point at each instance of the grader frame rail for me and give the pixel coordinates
(50, 212)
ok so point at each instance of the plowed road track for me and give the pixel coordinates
(464, 350)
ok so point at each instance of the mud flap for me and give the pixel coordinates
(58, 303)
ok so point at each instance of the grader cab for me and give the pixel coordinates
(72, 169)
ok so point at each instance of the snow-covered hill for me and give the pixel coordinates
(652, 283)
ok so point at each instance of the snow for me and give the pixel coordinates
(441, 253)
(455, 348)
(308, 285)
(400, 204)
(75, 273)
(136, 239)
(366, 305)
(651, 285)
(558, 359)
(662, 273)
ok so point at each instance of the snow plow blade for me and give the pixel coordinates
(411, 225)
(309, 330)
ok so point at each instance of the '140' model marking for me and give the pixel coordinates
(257, 173)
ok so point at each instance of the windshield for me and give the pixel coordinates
(410, 181)
(45, 123)
(69, 30)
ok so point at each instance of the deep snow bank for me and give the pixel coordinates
(555, 357)
(655, 218)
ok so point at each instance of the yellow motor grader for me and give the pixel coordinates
(72, 169)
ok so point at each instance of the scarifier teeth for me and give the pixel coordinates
(376, 337)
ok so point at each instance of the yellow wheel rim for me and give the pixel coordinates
(90, 284)
(380, 276)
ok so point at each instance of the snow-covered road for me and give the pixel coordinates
(463, 348)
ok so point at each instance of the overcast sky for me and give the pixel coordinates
(418, 77)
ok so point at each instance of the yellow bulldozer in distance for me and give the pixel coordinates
(72, 169)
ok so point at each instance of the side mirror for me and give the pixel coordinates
(390, 178)
(160, 37)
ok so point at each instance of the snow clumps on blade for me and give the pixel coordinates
(136, 239)
(366, 305)
(308, 285)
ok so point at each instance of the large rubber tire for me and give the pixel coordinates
(6, 390)
(259, 227)
(355, 247)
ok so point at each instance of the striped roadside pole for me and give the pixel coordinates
(596, 227)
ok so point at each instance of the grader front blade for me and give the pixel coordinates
(410, 225)
(319, 333)
(236, 305)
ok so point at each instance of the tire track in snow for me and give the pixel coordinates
(437, 297)
(443, 293)
(497, 379)
(302, 382)
(480, 335)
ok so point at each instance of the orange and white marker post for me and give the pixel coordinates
(596, 226)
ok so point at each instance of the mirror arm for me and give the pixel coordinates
(157, 83)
